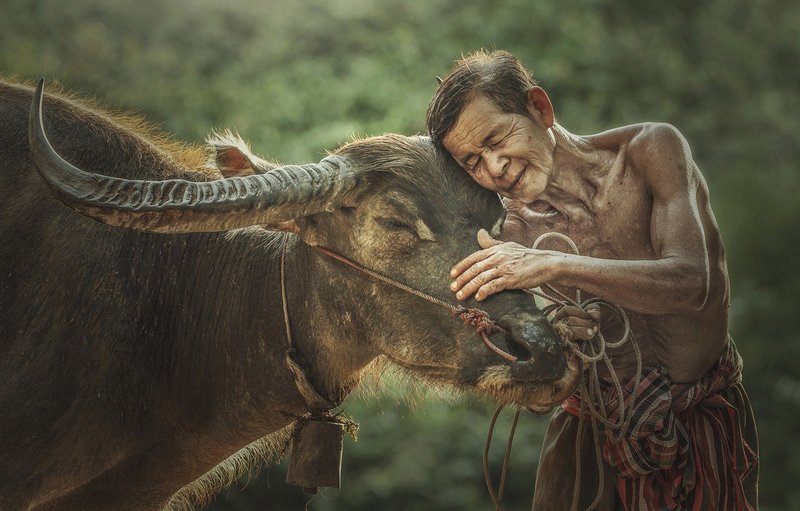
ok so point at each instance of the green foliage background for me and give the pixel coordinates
(297, 77)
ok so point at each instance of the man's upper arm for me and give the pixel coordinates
(676, 227)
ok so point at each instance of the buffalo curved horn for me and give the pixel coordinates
(178, 205)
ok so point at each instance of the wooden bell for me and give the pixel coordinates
(316, 456)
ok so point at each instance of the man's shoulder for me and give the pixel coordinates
(641, 138)
(662, 155)
(659, 140)
(656, 150)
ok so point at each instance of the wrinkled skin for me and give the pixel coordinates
(134, 362)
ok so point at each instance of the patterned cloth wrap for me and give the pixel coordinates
(685, 446)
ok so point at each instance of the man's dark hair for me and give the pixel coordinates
(498, 75)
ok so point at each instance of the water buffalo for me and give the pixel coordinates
(135, 362)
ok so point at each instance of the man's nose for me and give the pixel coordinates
(496, 164)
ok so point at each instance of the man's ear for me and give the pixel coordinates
(539, 105)
(232, 156)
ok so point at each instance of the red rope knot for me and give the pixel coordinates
(476, 318)
(484, 325)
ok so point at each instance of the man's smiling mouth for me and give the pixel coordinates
(517, 180)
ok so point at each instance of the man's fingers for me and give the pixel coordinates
(468, 262)
(582, 323)
(473, 272)
(582, 334)
(485, 241)
(490, 288)
(571, 311)
(579, 322)
(594, 312)
(475, 284)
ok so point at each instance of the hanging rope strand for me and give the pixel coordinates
(507, 455)
(487, 473)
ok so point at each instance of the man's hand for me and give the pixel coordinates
(582, 324)
(500, 266)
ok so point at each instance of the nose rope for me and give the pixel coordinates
(484, 326)
(476, 318)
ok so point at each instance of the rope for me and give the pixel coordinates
(497, 495)
(590, 353)
(507, 455)
(487, 473)
(284, 302)
(312, 396)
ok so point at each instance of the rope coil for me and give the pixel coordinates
(590, 353)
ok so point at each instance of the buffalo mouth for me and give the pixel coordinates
(518, 383)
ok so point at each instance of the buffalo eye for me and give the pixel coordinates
(395, 225)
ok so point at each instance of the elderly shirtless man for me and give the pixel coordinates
(636, 205)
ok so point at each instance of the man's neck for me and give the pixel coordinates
(578, 171)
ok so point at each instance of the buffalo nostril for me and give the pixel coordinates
(531, 339)
(520, 349)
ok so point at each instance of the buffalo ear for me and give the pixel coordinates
(316, 229)
(308, 231)
(232, 156)
(232, 162)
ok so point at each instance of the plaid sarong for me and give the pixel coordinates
(685, 446)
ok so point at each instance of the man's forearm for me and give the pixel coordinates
(660, 286)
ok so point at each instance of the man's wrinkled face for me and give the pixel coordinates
(509, 153)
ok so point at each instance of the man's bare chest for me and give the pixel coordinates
(611, 220)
